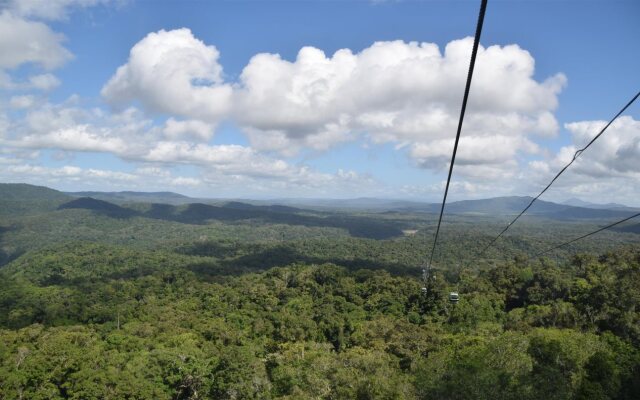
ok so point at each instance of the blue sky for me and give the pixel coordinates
(303, 124)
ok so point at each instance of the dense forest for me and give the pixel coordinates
(300, 304)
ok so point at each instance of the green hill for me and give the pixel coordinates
(23, 199)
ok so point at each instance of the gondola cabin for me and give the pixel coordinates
(454, 297)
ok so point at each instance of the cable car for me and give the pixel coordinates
(454, 297)
(424, 290)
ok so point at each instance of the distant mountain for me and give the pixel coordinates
(511, 206)
(497, 206)
(137, 197)
(22, 199)
(581, 203)
(18, 199)
(362, 203)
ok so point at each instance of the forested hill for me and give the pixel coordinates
(34, 217)
(37, 198)
(24, 199)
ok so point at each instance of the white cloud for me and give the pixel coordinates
(24, 101)
(185, 181)
(49, 118)
(77, 138)
(23, 41)
(615, 153)
(68, 127)
(29, 42)
(457, 189)
(223, 182)
(6, 82)
(408, 93)
(481, 157)
(131, 137)
(231, 160)
(172, 72)
(72, 177)
(43, 82)
(608, 171)
(194, 129)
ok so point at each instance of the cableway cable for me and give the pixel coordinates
(575, 156)
(474, 52)
(584, 236)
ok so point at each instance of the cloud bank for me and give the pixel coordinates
(171, 94)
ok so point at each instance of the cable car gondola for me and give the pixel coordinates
(454, 297)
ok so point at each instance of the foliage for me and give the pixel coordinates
(90, 321)
(238, 301)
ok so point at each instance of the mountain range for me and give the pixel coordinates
(581, 203)
(28, 199)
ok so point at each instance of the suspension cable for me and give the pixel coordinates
(584, 236)
(575, 156)
(474, 52)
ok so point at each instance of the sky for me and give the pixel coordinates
(328, 99)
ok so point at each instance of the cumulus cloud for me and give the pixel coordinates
(194, 129)
(22, 101)
(77, 138)
(43, 82)
(609, 170)
(70, 175)
(23, 41)
(404, 93)
(457, 189)
(29, 42)
(615, 153)
(241, 162)
(408, 93)
(133, 138)
(68, 127)
(172, 72)
(230, 181)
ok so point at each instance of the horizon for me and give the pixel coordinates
(318, 100)
(413, 200)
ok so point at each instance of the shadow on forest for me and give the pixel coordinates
(6, 258)
(200, 214)
(3, 255)
(282, 255)
(100, 207)
(635, 228)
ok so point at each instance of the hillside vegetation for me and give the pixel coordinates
(89, 321)
(17, 199)
(242, 301)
